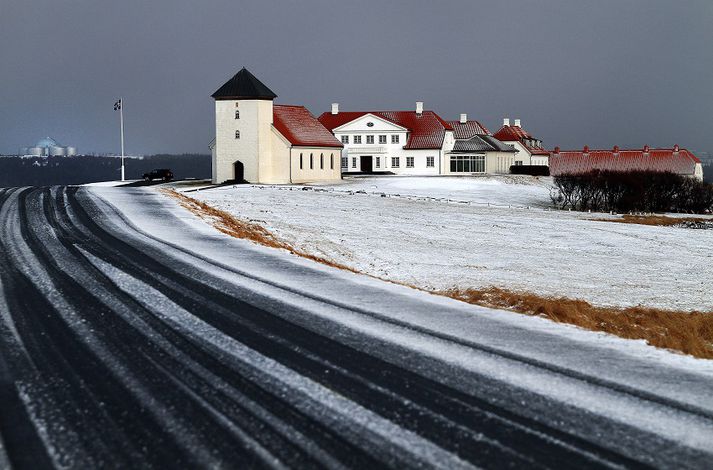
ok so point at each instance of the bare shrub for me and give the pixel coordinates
(632, 191)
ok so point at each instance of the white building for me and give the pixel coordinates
(397, 142)
(260, 142)
(529, 150)
(48, 147)
(476, 150)
(417, 142)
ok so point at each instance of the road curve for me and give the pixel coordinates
(119, 351)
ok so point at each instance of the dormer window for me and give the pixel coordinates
(237, 114)
(237, 134)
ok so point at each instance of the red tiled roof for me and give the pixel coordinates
(517, 133)
(426, 131)
(468, 129)
(512, 133)
(675, 160)
(298, 126)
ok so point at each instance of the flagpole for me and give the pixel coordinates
(121, 119)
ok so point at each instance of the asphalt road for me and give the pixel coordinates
(116, 354)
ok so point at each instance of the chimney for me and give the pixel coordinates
(646, 149)
(616, 150)
(463, 118)
(419, 107)
(586, 149)
(335, 108)
(676, 148)
(506, 121)
(557, 150)
(517, 122)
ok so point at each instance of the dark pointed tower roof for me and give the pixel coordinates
(244, 86)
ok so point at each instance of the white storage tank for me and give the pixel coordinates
(71, 151)
(35, 151)
(56, 151)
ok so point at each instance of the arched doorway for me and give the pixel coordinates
(239, 171)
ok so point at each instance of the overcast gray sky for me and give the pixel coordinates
(600, 72)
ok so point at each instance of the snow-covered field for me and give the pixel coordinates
(440, 233)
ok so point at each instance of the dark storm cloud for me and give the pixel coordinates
(598, 73)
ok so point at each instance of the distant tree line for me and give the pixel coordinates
(15, 171)
(632, 191)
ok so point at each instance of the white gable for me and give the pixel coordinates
(369, 123)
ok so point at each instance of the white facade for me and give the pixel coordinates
(374, 144)
(245, 137)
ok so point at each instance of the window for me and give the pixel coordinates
(394, 162)
(357, 139)
(321, 161)
(311, 162)
(518, 162)
(378, 162)
(468, 164)
(430, 162)
(382, 139)
(331, 161)
(354, 160)
(370, 139)
(345, 139)
(237, 134)
(345, 162)
(301, 165)
(237, 114)
(394, 139)
(409, 162)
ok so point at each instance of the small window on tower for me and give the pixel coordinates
(237, 134)
(311, 162)
(331, 161)
(301, 165)
(237, 114)
(321, 161)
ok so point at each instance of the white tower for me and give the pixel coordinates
(243, 129)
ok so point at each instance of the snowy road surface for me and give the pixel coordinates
(133, 335)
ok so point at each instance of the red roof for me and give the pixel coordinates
(675, 160)
(426, 131)
(298, 126)
(468, 129)
(517, 133)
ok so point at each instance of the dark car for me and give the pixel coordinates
(161, 174)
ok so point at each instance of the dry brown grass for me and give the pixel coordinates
(687, 332)
(658, 220)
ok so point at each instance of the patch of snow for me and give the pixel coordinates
(444, 235)
(109, 184)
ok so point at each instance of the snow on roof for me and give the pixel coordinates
(298, 126)
(426, 130)
(675, 160)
